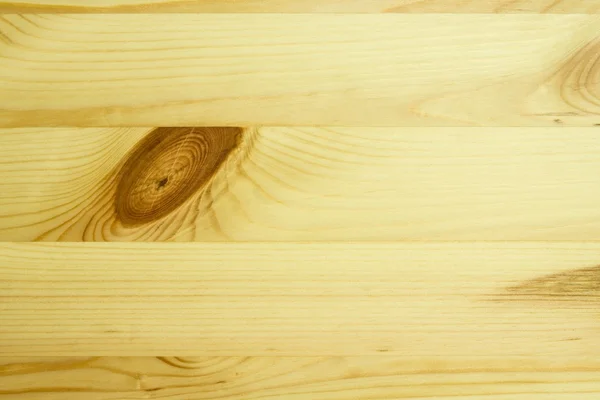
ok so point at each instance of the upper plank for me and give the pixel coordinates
(312, 6)
(345, 70)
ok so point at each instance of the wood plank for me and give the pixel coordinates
(306, 6)
(332, 378)
(300, 184)
(421, 300)
(346, 70)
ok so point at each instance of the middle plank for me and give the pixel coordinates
(312, 70)
(296, 184)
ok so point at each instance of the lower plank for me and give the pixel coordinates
(425, 300)
(297, 378)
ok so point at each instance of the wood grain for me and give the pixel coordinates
(307, 6)
(365, 70)
(428, 300)
(395, 205)
(300, 184)
(297, 378)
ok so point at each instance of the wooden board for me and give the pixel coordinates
(308, 184)
(306, 6)
(346, 70)
(297, 378)
(363, 199)
(421, 300)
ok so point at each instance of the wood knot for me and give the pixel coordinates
(580, 77)
(167, 167)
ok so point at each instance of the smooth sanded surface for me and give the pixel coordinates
(431, 300)
(346, 70)
(297, 378)
(373, 199)
(306, 6)
(291, 184)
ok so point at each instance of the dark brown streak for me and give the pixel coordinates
(167, 167)
(580, 284)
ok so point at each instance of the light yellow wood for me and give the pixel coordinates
(342, 182)
(285, 69)
(314, 184)
(302, 378)
(422, 300)
(308, 6)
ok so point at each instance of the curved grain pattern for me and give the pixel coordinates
(231, 70)
(302, 378)
(420, 300)
(307, 6)
(580, 79)
(297, 184)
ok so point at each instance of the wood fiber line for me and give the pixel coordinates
(419, 300)
(307, 6)
(301, 378)
(363, 70)
(299, 184)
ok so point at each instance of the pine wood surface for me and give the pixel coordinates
(301, 299)
(297, 378)
(363, 199)
(299, 184)
(306, 6)
(271, 69)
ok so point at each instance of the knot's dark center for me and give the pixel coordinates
(160, 184)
